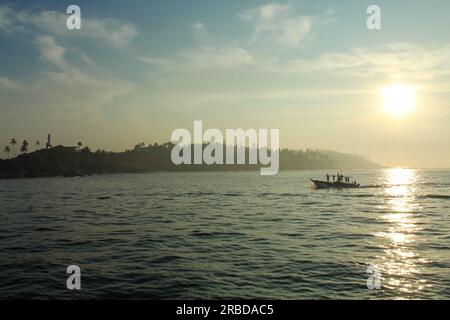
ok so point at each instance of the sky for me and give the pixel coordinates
(138, 70)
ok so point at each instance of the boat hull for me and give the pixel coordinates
(333, 185)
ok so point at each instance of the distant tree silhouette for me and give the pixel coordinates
(38, 144)
(24, 147)
(140, 146)
(13, 145)
(7, 150)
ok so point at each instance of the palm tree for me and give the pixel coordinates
(7, 150)
(79, 144)
(13, 144)
(24, 147)
(38, 144)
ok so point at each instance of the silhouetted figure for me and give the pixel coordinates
(334, 177)
(328, 177)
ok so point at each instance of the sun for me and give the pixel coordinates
(399, 99)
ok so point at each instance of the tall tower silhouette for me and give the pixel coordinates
(48, 145)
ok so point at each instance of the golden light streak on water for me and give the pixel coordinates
(400, 269)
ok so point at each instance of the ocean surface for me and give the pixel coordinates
(227, 235)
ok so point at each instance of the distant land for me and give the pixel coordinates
(77, 161)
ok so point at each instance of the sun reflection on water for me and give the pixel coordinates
(399, 265)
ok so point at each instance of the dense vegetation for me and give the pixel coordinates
(77, 161)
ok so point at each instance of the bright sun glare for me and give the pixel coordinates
(399, 99)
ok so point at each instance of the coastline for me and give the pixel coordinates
(72, 162)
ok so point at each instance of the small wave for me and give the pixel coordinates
(274, 219)
(202, 234)
(83, 211)
(65, 197)
(266, 194)
(435, 196)
(103, 198)
(372, 186)
(43, 229)
(359, 196)
(291, 194)
(167, 259)
(436, 184)
(214, 234)
(200, 193)
(286, 194)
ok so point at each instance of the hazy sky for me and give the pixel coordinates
(137, 70)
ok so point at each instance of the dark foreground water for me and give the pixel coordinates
(226, 235)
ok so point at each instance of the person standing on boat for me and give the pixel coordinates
(328, 177)
(334, 177)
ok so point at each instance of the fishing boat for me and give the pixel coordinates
(336, 185)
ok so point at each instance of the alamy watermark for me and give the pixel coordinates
(209, 147)
(74, 280)
(73, 22)
(374, 20)
(374, 279)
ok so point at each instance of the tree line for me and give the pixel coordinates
(79, 160)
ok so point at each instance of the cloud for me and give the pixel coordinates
(200, 33)
(51, 52)
(266, 13)
(86, 59)
(76, 92)
(158, 62)
(279, 24)
(213, 57)
(111, 31)
(204, 58)
(5, 18)
(71, 85)
(396, 60)
(66, 90)
(274, 25)
(198, 26)
(277, 95)
(6, 83)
